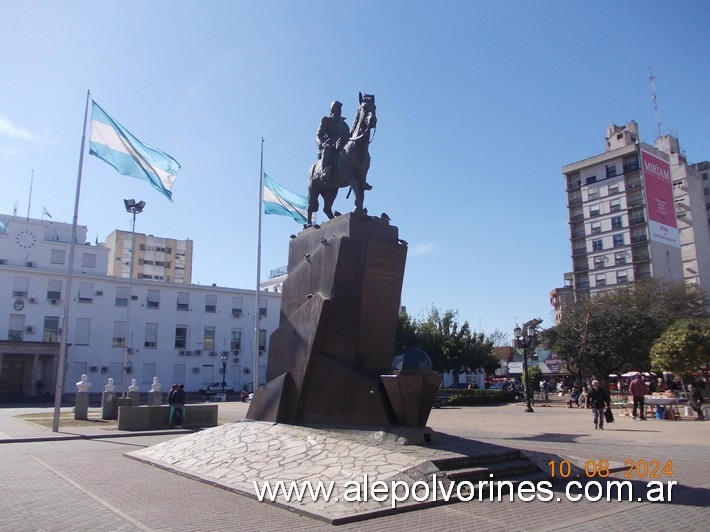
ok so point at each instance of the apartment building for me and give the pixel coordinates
(175, 331)
(635, 211)
(156, 258)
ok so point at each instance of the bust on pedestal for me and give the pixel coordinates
(154, 395)
(81, 406)
(134, 394)
(108, 401)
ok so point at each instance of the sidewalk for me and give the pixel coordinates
(79, 478)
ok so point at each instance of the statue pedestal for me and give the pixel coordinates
(81, 406)
(336, 337)
(135, 398)
(155, 398)
(108, 405)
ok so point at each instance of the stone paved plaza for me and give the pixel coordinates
(81, 479)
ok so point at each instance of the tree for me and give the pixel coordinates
(450, 346)
(683, 347)
(614, 331)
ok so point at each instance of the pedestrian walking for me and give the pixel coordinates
(600, 400)
(696, 400)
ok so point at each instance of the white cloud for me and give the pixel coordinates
(421, 250)
(8, 129)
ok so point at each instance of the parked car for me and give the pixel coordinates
(217, 387)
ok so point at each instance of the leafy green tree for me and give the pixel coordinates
(614, 331)
(683, 347)
(450, 345)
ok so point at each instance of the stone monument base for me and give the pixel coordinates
(81, 406)
(241, 456)
(109, 410)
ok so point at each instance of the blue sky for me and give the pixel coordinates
(479, 106)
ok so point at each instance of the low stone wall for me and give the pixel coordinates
(156, 417)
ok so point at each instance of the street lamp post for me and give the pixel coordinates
(225, 358)
(134, 207)
(524, 337)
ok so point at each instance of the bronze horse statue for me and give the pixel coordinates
(350, 170)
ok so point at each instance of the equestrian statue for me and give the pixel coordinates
(343, 157)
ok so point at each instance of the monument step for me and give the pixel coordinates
(464, 462)
(510, 469)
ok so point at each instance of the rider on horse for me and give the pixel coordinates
(332, 135)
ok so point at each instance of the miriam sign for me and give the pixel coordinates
(659, 199)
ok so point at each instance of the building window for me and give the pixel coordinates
(20, 286)
(119, 334)
(88, 260)
(57, 256)
(16, 328)
(599, 262)
(180, 336)
(210, 303)
(51, 331)
(601, 280)
(237, 306)
(151, 335)
(592, 193)
(262, 341)
(610, 170)
(83, 330)
(616, 222)
(121, 299)
(594, 211)
(620, 258)
(618, 241)
(236, 340)
(86, 292)
(591, 179)
(596, 228)
(613, 189)
(597, 245)
(262, 308)
(153, 300)
(183, 301)
(54, 289)
(622, 277)
(615, 206)
(208, 339)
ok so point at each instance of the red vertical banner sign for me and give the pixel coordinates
(658, 184)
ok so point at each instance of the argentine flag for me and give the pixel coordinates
(114, 144)
(279, 200)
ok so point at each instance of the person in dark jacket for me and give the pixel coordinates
(599, 399)
(696, 400)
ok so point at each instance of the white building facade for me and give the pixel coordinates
(635, 212)
(176, 332)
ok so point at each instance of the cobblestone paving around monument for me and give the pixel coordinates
(90, 484)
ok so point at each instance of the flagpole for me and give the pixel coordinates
(29, 202)
(258, 272)
(59, 385)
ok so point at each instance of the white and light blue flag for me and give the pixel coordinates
(280, 200)
(45, 212)
(114, 144)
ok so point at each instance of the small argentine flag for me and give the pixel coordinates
(114, 144)
(280, 200)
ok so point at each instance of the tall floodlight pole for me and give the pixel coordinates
(134, 207)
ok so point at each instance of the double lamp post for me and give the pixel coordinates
(525, 338)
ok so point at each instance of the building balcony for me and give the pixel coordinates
(579, 251)
(640, 239)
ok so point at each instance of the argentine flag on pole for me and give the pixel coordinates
(279, 200)
(114, 144)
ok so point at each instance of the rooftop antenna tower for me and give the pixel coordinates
(652, 80)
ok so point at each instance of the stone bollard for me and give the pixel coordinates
(134, 393)
(155, 396)
(109, 410)
(81, 405)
